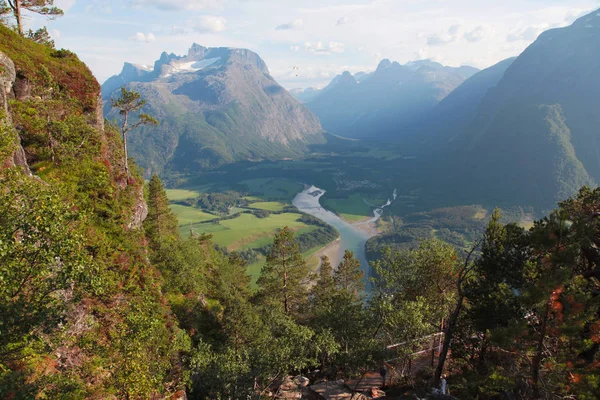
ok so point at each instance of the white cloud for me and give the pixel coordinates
(444, 38)
(210, 23)
(476, 34)
(295, 48)
(295, 24)
(143, 37)
(324, 48)
(177, 5)
(528, 34)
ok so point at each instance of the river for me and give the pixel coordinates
(352, 236)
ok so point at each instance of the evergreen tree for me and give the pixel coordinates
(283, 278)
(161, 223)
(493, 295)
(348, 275)
(16, 7)
(130, 102)
(325, 284)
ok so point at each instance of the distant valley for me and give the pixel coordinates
(454, 142)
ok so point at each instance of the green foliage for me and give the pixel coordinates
(44, 266)
(283, 278)
(7, 137)
(71, 76)
(458, 226)
(348, 275)
(531, 306)
(415, 289)
(41, 36)
(130, 102)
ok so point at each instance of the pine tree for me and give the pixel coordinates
(130, 102)
(348, 275)
(16, 7)
(325, 285)
(283, 278)
(161, 223)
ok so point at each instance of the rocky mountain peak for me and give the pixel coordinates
(347, 78)
(224, 107)
(383, 64)
(197, 51)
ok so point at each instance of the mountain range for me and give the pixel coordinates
(216, 106)
(524, 131)
(384, 102)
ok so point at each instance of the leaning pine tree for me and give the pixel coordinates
(131, 102)
(283, 278)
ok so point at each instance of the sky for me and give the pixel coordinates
(322, 38)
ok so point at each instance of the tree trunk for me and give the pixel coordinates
(124, 130)
(537, 360)
(452, 321)
(126, 158)
(18, 16)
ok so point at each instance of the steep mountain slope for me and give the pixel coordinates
(534, 138)
(216, 106)
(78, 294)
(387, 101)
(452, 115)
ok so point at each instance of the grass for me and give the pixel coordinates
(273, 189)
(248, 231)
(180, 194)
(190, 215)
(352, 208)
(268, 205)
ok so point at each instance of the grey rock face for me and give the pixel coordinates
(8, 77)
(140, 211)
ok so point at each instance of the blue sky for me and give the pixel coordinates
(321, 37)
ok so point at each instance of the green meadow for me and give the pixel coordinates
(190, 215)
(180, 194)
(351, 208)
(268, 205)
(249, 232)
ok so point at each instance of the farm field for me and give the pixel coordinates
(268, 205)
(180, 194)
(352, 208)
(248, 231)
(190, 215)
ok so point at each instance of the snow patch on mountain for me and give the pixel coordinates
(189, 66)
